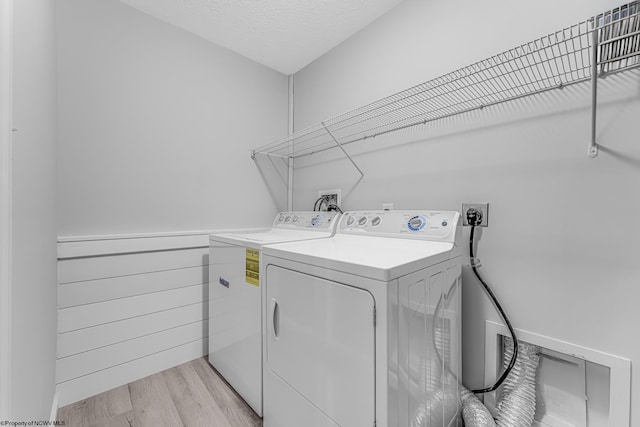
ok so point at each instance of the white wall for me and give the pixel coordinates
(561, 249)
(156, 126)
(417, 41)
(6, 109)
(33, 320)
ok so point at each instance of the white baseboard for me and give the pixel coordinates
(54, 408)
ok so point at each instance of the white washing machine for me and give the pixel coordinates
(235, 317)
(363, 329)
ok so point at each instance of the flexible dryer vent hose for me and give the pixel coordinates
(518, 404)
(474, 413)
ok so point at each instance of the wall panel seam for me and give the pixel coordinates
(134, 274)
(204, 319)
(128, 275)
(133, 295)
(126, 318)
(132, 252)
(134, 317)
(134, 359)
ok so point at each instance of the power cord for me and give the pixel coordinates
(318, 204)
(324, 200)
(474, 217)
(334, 207)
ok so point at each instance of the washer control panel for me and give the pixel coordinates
(307, 220)
(436, 225)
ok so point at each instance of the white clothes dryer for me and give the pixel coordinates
(363, 329)
(235, 328)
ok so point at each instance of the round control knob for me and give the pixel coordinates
(295, 218)
(316, 220)
(281, 217)
(287, 219)
(376, 221)
(362, 220)
(350, 220)
(417, 223)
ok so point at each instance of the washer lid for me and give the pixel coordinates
(379, 258)
(258, 239)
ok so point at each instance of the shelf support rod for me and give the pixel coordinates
(344, 151)
(593, 146)
(290, 170)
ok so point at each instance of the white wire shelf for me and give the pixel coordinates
(554, 61)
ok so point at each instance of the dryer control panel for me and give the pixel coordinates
(324, 221)
(427, 225)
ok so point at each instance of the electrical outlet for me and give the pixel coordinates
(482, 208)
(334, 196)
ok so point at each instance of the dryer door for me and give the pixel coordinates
(320, 343)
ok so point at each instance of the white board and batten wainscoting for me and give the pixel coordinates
(129, 306)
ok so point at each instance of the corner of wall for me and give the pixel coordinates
(54, 408)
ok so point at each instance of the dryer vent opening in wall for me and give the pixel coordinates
(575, 386)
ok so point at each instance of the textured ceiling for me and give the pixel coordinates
(285, 35)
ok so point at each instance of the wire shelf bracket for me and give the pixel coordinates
(592, 151)
(602, 45)
(355, 165)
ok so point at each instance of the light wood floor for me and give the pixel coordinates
(193, 394)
